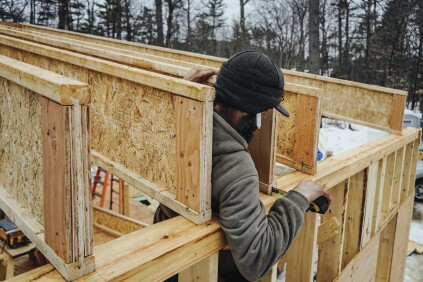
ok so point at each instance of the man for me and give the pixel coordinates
(248, 84)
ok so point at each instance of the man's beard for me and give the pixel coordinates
(246, 127)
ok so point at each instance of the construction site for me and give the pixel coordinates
(81, 114)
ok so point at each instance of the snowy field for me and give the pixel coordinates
(338, 137)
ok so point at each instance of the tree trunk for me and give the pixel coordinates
(63, 14)
(159, 21)
(314, 60)
(242, 4)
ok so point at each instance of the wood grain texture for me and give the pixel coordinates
(205, 270)
(21, 153)
(406, 174)
(263, 147)
(188, 138)
(353, 217)
(369, 204)
(397, 112)
(300, 253)
(57, 213)
(387, 237)
(377, 209)
(330, 251)
(388, 182)
(398, 177)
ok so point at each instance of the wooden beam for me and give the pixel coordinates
(397, 182)
(387, 237)
(328, 230)
(389, 181)
(402, 233)
(263, 151)
(61, 89)
(300, 253)
(330, 251)
(369, 204)
(377, 209)
(353, 217)
(205, 270)
(406, 174)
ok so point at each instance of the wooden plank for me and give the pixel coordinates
(353, 217)
(115, 221)
(262, 149)
(406, 174)
(35, 232)
(369, 205)
(397, 182)
(330, 251)
(377, 209)
(300, 253)
(363, 266)
(402, 233)
(328, 229)
(61, 89)
(389, 179)
(414, 165)
(205, 270)
(57, 205)
(188, 142)
(387, 237)
(397, 112)
(178, 86)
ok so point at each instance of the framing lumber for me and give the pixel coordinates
(205, 270)
(369, 204)
(121, 96)
(377, 208)
(56, 87)
(389, 182)
(398, 178)
(330, 251)
(117, 222)
(387, 237)
(63, 233)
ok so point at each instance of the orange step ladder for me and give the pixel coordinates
(105, 182)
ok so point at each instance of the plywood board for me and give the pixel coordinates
(298, 134)
(21, 165)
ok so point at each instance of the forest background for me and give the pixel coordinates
(372, 41)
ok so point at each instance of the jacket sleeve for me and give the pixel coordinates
(257, 241)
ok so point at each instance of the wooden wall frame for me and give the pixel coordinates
(63, 233)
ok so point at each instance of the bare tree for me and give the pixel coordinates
(159, 21)
(244, 37)
(314, 57)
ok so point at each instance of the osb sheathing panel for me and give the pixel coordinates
(351, 101)
(134, 125)
(286, 126)
(131, 124)
(21, 165)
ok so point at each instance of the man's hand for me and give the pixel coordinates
(312, 191)
(200, 74)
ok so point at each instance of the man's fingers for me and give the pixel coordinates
(200, 74)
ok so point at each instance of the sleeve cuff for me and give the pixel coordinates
(299, 199)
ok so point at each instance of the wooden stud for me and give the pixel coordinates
(300, 253)
(328, 229)
(353, 217)
(57, 205)
(262, 149)
(369, 205)
(414, 165)
(388, 182)
(397, 181)
(205, 270)
(406, 174)
(397, 112)
(384, 261)
(330, 251)
(402, 232)
(377, 209)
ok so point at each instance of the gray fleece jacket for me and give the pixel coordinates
(256, 240)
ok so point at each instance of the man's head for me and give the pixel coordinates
(247, 84)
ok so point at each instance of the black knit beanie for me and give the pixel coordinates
(251, 82)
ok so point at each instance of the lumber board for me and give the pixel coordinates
(300, 253)
(205, 270)
(363, 266)
(353, 217)
(406, 174)
(414, 164)
(61, 89)
(57, 203)
(402, 233)
(35, 232)
(330, 251)
(377, 208)
(397, 181)
(298, 135)
(369, 204)
(389, 182)
(262, 150)
(117, 222)
(387, 237)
